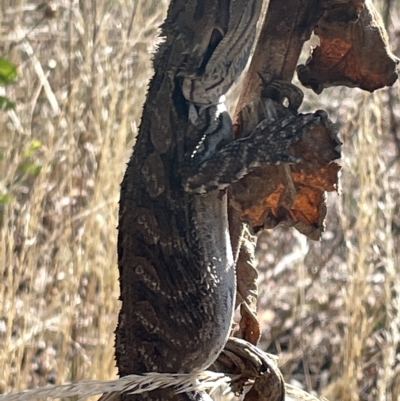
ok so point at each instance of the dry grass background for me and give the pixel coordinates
(331, 310)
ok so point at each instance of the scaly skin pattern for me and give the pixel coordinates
(177, 277)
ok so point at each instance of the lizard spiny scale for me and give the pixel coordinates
(218, 133)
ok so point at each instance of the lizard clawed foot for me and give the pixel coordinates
(280, 90)
(239, 357)
(268, 144)
(272, 140)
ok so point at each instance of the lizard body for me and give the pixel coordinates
(176, 271)
(177, 277)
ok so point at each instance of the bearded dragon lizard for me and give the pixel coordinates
(177, 277)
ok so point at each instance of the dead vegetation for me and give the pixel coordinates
(83, 76)
(330, 309)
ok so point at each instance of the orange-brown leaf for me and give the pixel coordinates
(293, 196)
(351, 53)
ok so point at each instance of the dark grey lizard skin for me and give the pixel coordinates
(175, 260)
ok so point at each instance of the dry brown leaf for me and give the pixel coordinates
(246, 281)
(353, 50)
(249, 327)
(243, 244)
(293, 195)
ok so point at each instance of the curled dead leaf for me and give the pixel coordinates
(249, 327)
(293, 195)
(353, 50)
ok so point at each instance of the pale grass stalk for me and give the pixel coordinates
(63, 223)
(137, 384)
(360, 246)
(389, 380)
(360, 220)
(132, 384)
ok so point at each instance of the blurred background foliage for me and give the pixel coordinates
(69, 118)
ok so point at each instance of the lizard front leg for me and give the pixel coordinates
(267, 144)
